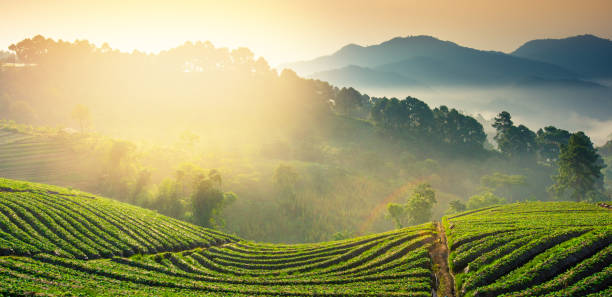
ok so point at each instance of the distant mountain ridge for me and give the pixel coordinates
(566, 82)
(363, 76)
(587, 55)
(429, 61)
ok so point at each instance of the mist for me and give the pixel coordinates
(563, 107)
(291, 159)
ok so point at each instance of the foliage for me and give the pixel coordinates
(456, 206)
(350, 102)
(413, 120)
(549, 142)
(579, 170)
(514, 141)
(285, 179)
(503, 184)
(459, 131)
(416, 210)
(208, 201)
(240, 116)
(398, 214)
(484, 199)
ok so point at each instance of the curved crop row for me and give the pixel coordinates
(531, 249)
(62, 242)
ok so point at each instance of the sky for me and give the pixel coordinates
(291, 30)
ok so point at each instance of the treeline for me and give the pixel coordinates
(306, 160)
(213, 91)
(125, 91)
(413, 121)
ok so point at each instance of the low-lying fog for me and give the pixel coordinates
(572, 109)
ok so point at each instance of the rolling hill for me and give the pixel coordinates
(432, 62)
(560, 82)
(42, 157)
(587, 55)
(532, 249)
(59, 241)
(363, 76)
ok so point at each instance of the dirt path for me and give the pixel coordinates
(439, 256)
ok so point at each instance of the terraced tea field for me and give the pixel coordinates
(58, 241)
(532, 249)
(39, 158)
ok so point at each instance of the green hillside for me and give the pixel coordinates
(42, 157)
(38, 219)
(60, 241)
(532, 249)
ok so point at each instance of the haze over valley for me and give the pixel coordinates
(306, 148)
(564, 82)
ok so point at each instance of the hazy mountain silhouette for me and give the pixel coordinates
(430, 61)
(526, 83)
(587, 55)
(355, 75)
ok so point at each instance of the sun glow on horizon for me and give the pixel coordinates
(285, 31)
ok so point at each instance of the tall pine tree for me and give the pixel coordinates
(579, 174)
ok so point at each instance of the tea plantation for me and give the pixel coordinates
(57, 241)
(532, 249)
(63, 242)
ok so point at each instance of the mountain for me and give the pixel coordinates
(362, 76)
(587, 55)
(430, 61)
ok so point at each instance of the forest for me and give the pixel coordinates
(218, 138)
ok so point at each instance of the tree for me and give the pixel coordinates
(416, 210)
(503, 184)
(579, 171)
(502, 122)
(460, 131)
(81, 114)
(514, 141)
(549, 141)
(205, 202)
(31, 50)
(349, 101)
(208, 201)
(286, 178)
(419, 209)
(456, 206)
(168, 199)
(397, 212)
(119, 171)
(483, 200)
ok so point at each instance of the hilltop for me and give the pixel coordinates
(587, 55)
(40, 219)
(561, 82)
(432, 62)
(61, 241)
